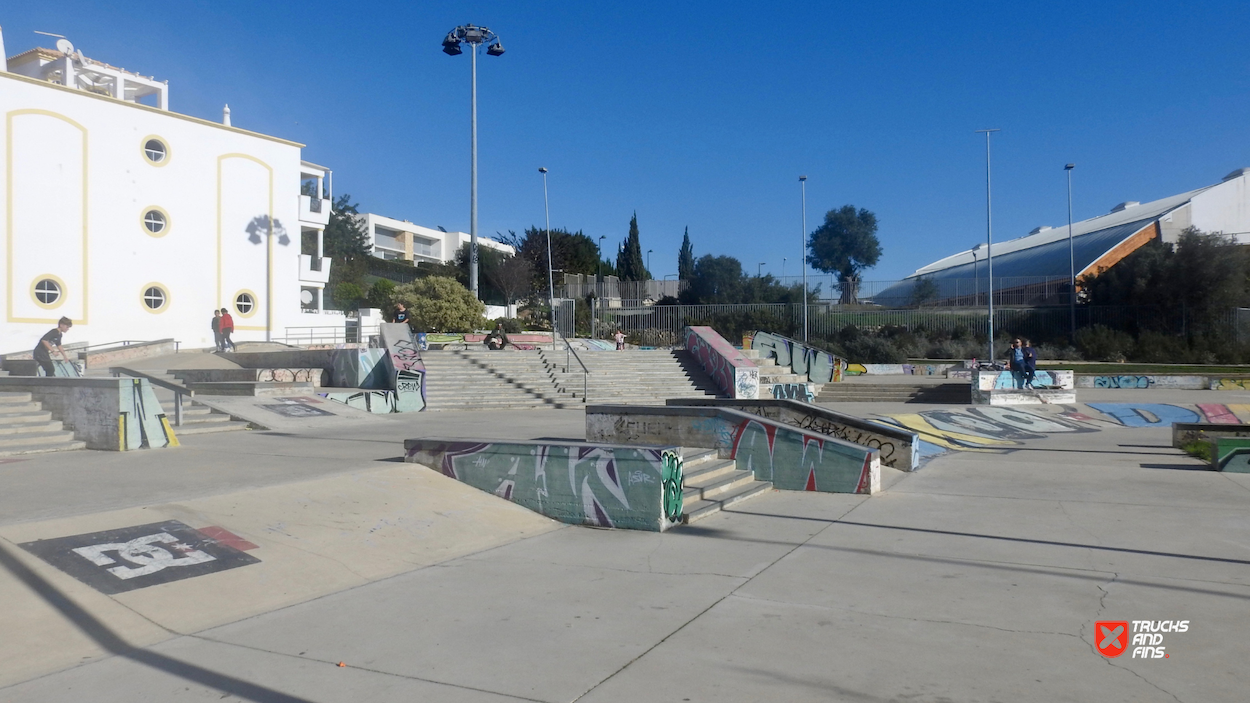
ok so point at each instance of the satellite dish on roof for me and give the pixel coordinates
(64, 46)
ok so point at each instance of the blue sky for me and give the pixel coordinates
(703, 114)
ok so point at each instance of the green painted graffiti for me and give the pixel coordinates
(581, 484)
(671, 478)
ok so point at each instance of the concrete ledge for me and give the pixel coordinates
(1186, 432)
(103, 358)
(999, 388)
(1231, 454)
(315, 376)
(791, 458)
(899, 448)
(107, 413)
(605, 485)
(735, 374)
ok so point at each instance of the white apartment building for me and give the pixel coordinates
(136, 222)
(400, 239)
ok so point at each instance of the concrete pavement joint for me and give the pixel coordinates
(701, 613)
(902, 617)
(355, 667)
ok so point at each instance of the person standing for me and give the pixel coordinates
(217, 329)
(227, 328)
(51, 342)
(401, 313)
(620, 340)
(1030, 363)
(1015, 361)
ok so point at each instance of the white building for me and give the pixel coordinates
(137, 222)
(400, 239)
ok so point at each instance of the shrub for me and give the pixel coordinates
(440, 305)
(380, 294)
(1099, 343)
(348, 296)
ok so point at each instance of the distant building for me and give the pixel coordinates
(400, 239)
(137, 222)
(1026, 265)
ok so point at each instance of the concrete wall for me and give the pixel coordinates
(1186, 432)
(637, 488)
(315, 376)
(899, 449)
(901, 369)
(404, 359)
(77, 169)
(107, 413)
(735, 375)
(104, 358)
(792, 458)
(1142, 381)
(360, 368)
(819, 366)
(998, 388)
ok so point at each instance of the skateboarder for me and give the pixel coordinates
(51, 342)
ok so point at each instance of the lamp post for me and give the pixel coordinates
(1071, 257)
(989, 237)
(474, 37)
(803, 252)
(649, 261)
(759, 271)
(783, 270)
(976, 275)
(594, 333)
(551, 277)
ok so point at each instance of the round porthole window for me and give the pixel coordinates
(155, 222)
(245, 304)
(155, 151)
(155, 298)
(47, 292)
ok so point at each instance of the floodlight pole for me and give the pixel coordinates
(474, 37)
(1071, 257)
(551, 276)
(989, 237)
(803, 252)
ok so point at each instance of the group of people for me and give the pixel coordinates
(1022, 361)
(223, 327)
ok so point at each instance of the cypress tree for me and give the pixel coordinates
(629, 263)
(685, 260)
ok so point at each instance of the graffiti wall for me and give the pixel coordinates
(819, 366)
(1141, 382)
(792, 458)
(905, 370)
(735, 375)
(404, 357)
(1230, 384)
(1006, 388)
(141, 422)
(637, 488)
(805, 392)
(360, 368)
(1002, 428)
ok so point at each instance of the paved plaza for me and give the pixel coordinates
(978, 578)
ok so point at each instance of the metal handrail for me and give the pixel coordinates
(179, 390)
(568, 349)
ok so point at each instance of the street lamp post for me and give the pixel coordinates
(989, 238)
(594, 333)
(759, 271)
(551, 277)
(1071, 257)
(474, 37)
(783, 270)
(649, 261)
(803, 252)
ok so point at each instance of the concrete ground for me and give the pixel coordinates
(978, 578)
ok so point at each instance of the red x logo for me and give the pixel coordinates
(1111, 637)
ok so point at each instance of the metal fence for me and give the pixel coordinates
(578, 286)
(950, 292)
(662, 324)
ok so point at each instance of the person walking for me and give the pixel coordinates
(217, 329)
(620, 340)
(1030, 363)
(227, 328)
(51, 342)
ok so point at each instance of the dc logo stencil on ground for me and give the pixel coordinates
(116, 561)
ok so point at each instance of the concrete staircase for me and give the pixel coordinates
(632, 377)
(712, 484)
(770, 372)
(26, 428)
(485, 380)
(857, 392)
(479, 379)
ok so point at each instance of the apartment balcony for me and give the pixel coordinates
(314, 211)
(314, 269)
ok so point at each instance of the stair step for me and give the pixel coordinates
(34, 425)
(19, 439)
(226, 425)
(43, 448)
(716, 483)
(10, 398)
(703, 508)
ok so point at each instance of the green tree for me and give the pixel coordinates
(571, 252)
(346, 242)
(629, 263)
(685, 259)
(440, 304)
(845, 244)
(348, 295)
(716, 279)
(924, 292)
(380, 295)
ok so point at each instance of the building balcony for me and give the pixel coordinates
(314, 211)
(314, 269)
